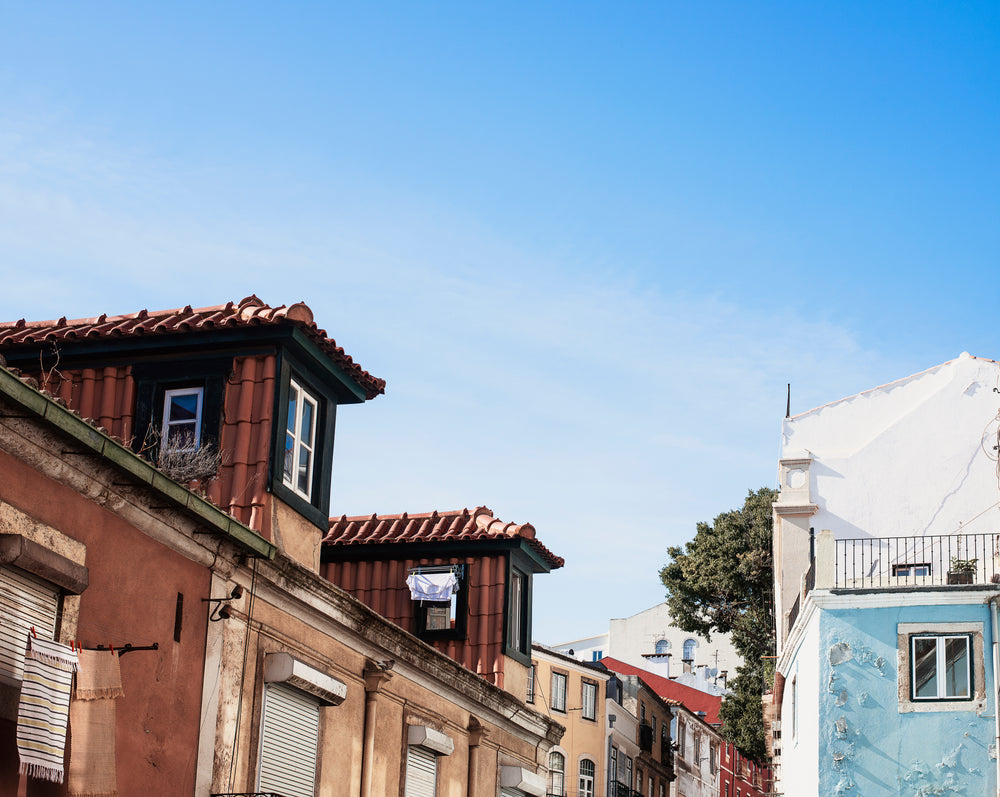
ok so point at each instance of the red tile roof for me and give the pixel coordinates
(691, 698)
(454, 526)
(248, 312)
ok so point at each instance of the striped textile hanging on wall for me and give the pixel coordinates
(44, 709)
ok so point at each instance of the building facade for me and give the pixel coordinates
(575, 695)
(244, 669)
(886, 581)
(649, 640)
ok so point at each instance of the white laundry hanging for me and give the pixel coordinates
(432, 586)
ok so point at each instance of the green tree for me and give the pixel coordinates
(721, 582)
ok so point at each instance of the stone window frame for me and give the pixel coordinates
(905, 631)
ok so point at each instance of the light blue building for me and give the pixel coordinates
(887, 613)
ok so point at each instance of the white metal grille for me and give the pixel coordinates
(289, 742)
(25, 601)
(421, 772)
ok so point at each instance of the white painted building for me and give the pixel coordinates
(650, 640)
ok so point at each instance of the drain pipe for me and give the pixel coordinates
(375, 675)
(996, 690)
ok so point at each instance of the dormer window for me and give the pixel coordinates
(300, 440)
(182, 410)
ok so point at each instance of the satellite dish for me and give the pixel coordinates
(712, 672)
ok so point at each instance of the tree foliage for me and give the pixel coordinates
(721, 582)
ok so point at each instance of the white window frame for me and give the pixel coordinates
(290, 479)
(557, 776)
(941, 665)
(689, 648)
(587, 780)
(558, 694)
(905, 633)
(588, 699)
(532, 683)
(166, 424)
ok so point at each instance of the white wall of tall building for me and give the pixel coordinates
(633, 640)
(799, 759)
(913, 457)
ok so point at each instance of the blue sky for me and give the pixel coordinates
(586, 244)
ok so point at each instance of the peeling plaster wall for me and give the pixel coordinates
(905, 458)
(866, 747)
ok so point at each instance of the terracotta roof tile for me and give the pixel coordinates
(693, 699)
(250, 311)
(452, 526)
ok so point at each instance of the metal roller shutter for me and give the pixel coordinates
(289, 742)
(421, 772)
(25, 601)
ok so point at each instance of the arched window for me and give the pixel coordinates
(662, 647)
(587, 773)
(557, 774)
(689, 646)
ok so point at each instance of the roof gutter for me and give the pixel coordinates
(114, 452)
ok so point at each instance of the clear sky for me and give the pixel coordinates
(586, 243)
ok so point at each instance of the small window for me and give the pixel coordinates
(941, 667)
(518, 603)
(689, 646)
(439, 619)
(558, 691)
(588, 772)
(557, 775)
(596, 655)
(532, 675)
(300, 441)
(923, 569)
(681, 739)
(588, 691)
(628, 771)
(182, 411)
(662, 647)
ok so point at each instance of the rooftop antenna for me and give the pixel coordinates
(788, 402)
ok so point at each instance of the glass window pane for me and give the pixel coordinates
(289, 457)
(306, 428)
(305, 461)
(181, 435)
(956, 652)
(925, 667)
(184, 407)
(292, 396)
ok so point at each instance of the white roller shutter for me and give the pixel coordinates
(421, 772)
(289, 742)
(25, 601)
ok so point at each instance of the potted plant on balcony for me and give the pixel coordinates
(962, 571)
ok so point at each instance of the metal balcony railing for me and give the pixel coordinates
(934, 560)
